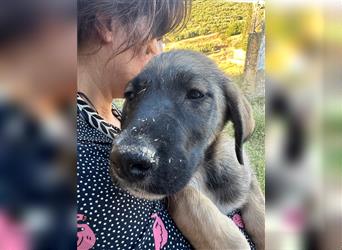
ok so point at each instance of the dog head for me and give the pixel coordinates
(174, 110)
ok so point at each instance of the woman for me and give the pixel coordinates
(116, 39)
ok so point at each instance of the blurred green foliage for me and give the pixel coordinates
(215, 16)
(216, 28)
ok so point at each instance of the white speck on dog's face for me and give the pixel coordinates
(156, 140)
(170, 160)
(150, 154)
(147, 152)
(153, 120)
(141, 120)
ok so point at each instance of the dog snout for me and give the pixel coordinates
(134, 162)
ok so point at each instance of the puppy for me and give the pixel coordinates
(172, 145)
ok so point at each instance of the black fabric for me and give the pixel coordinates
(30, 182)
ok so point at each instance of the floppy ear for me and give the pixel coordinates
(239, 111)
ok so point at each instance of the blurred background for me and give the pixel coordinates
(303, 125)
(296, 96)
(37, 132)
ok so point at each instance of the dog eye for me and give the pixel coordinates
(129, 95)
(194, 94)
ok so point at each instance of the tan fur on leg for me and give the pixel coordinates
(203, 224)
(253, 214)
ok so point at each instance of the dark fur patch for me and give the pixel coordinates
(223, 183)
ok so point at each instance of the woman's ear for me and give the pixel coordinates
(154, 47)
(105, 31)
(108, 36)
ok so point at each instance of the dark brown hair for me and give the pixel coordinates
(141, 20)
(20, 20)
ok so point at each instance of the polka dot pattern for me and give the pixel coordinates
(118, 219)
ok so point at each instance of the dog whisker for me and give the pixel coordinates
(141, 91)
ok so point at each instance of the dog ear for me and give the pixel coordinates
(239, 111)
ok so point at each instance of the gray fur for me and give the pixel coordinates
(146, 120)
(185, 133)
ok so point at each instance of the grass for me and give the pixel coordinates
(256, 144)
(222, 51)
(332, 141)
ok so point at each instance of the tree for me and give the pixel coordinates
(255, 38)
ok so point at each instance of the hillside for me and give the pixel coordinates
(218, 29)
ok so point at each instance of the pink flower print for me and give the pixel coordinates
(238, 221)
(295, 219)
(159, 232)
(85, 236)
(12, 234)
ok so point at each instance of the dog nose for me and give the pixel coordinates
(133, 163)
(139, 169)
